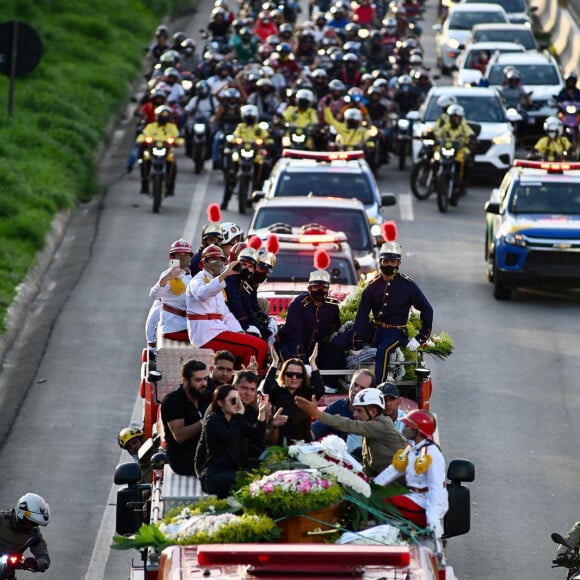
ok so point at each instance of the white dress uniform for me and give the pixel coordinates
(431, 492)
(205, 296)
(173, 307)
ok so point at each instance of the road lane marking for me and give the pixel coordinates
(406, 207)
(195, 207)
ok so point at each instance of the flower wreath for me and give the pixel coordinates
(330, 456)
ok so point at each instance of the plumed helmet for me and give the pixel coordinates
(319, 277)
(211, 230)
(423, 421)
(180, 246)
(368, 397)
(33, 508)
(553, 127)
(231, 232)
(390, 250)
(266, 259)
(249, 255)
(212, 252)
(125, 435)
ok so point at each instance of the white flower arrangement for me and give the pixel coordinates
(385, 535)
(330, 456)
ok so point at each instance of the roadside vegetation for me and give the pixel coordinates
(62, 110)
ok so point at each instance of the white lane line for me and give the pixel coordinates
(406, 207)
(196, 207)
(102, 547)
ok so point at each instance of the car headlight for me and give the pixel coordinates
(453, 43)
(515, 240)
(504, 139)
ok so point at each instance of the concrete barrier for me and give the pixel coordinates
(547, 14)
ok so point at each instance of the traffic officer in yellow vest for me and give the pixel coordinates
(301, 116)
(351, 134)
(553, 146)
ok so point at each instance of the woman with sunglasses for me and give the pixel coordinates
(223, 445)
(293, 380)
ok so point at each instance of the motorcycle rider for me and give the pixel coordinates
(406, 97)
(265, 99)
(457, 129)
(351, 134)
(515, 96)
(570, 92)
(162, 129)
(302, 115)
(444, 102)
(225, 121)
(423, 465)
(334, 99)
(378, 109)
(554, 145)
(19, 524)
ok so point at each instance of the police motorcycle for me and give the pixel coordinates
(12, 561)
(447, 176)
(197, 135)
(569, 559)
(424, 171)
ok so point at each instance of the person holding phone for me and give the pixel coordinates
(225, 434)
(170, 290)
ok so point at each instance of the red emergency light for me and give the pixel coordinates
(304, 556)
(549, 166)
(323, 155)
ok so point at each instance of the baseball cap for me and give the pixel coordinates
(389, 390)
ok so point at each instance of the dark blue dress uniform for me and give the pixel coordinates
(389, 303)
(242, 300)
(307, 323)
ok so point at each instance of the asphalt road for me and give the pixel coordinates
(507, 399)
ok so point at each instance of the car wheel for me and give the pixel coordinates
(500, 292)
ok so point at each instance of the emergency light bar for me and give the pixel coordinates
(303, 556)
(323, 155)
(331, 238)
(549, 166)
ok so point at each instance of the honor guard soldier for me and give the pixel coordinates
(389, 297)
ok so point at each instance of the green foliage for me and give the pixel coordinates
(62, 110)
(147, 535)
(205, 505)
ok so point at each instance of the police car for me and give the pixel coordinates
(533, 228)
(339, 174)
(295, 260)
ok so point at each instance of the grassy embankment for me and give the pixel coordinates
(48, 148)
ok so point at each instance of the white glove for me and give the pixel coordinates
(436, 528)
(253, 330)
(413, 344)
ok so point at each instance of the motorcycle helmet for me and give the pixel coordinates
(158, 97)
(368, 397)
(162, 31)
(456, 114)
(355, 95)
(353, 118)
(286, 30)
(33, 508)
(169, 59)
(176, 39)
(404, 80)
(232, 96)
(163, 115)
(264, 85)
(173, 74)
(249, 114)
(571, 79)
(415, 60)
(221, 68)
(180, 246)
(350, 48)
(319, 74)
(445, 101)
(188, 46)
(202, 89)
(212, 253)
(337, 87)
(390, 25)
(128, 433)
(304, 98)
(390, 251)
(349, 58)
(423, 421)
(212, 231)
(219, 11)
(512, 74)
(231, 233)
(553, 127)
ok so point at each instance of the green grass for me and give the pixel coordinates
(48, 148)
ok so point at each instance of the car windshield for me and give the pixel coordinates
(464, 20)
(546, 198)
(523, 37)
(352, 222)
(326, 184)
(531, 74)
(473, 59)
(482, 109)
(507, 5)
(296, 267)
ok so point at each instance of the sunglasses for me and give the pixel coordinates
(291, 375)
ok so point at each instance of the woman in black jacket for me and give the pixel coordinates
(222, 449)
(293, 380)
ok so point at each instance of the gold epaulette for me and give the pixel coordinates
(331, 300)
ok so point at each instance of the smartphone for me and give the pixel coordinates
(175, 263)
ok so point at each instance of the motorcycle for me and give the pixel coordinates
(570, 561)
(569, 114)
(296, 137)
(403, 138)
(197, 142)
(240, 165)
(157, 154)
(424, 170)
(446, 179)
(10, 562)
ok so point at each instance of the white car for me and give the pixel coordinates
(518, 33)
(539, 74)
(471, 66)
(518, 11)
(452, 35)
(495, 148)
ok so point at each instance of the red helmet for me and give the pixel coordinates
(423, 421)
(236, 249)
(212, 252)
(180, 246)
